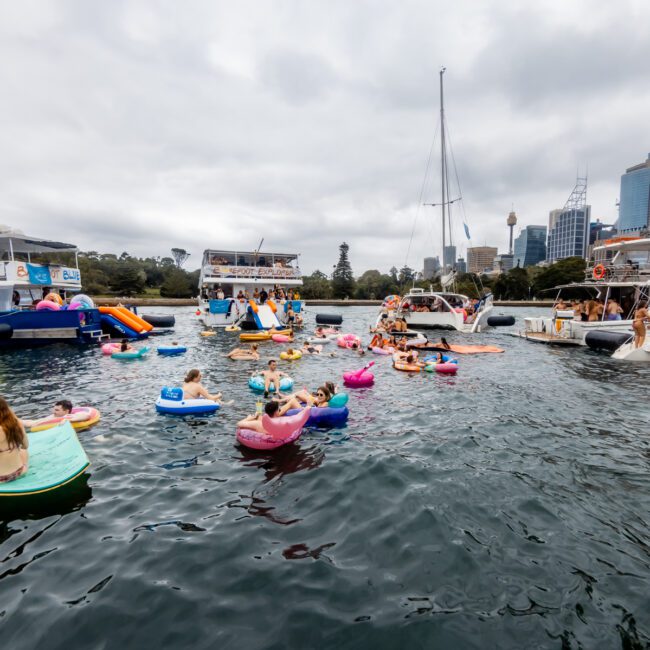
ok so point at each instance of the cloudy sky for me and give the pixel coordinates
(140, 126)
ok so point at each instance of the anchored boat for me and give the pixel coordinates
(27, 317)
(618, 275)
(254, 290)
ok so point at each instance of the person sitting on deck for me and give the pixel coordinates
(13, 445)
(62, 409)
(193, 389)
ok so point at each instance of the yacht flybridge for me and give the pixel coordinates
(253, 289)
(620, 272)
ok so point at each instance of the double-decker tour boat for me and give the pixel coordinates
(254, 289)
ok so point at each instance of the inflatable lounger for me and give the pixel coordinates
(56, 457)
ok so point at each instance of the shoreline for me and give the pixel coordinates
(191, 302)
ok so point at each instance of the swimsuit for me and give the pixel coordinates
(13, 475)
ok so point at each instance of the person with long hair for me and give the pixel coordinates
(641, 317)
(193, 389)
(13, 445)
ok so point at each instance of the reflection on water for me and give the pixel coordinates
(506, 506)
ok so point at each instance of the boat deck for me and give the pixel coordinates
(545, 337)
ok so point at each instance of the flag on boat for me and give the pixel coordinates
(466, 230)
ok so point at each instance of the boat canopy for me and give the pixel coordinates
(12, 242)
(247, 258)
(626, 246)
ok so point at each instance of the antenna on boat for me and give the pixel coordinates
(257, 252)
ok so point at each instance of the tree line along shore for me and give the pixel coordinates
(107, 276)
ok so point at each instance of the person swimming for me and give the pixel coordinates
(244, 354)
(61, 409)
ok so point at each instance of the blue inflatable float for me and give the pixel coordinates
(171, 402)
(171, 350)
(325, 417)
(257, 383)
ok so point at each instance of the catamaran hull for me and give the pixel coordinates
(24, 329)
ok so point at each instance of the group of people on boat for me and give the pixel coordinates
(260, 296)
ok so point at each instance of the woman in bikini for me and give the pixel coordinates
(192, 388)
(243, 354)
(641, 316)
(13, 445)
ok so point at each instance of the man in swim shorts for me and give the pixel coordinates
(62, 409)
(272, 375)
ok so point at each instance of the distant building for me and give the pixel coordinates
(480, 258)
(461, 266)
(431, 267)
(502, 263)
(530, 246)
(449, 256)
(634, 207)
(568, 228)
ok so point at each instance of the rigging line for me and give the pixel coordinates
(424, 181)
(453, 160)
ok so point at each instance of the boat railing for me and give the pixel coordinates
(627, 272)
(251, 272)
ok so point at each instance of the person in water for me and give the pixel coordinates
(272, 376)
(62, 409)
(125, 346)
(254, 422)
(641, 317)
(14, 445)
(193, 389)
(243, 354)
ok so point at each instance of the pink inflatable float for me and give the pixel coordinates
(359, 378)
(109, 348)
(277, 431)
(280, 338)
(48, 305)
(348, 341)
(447, 368)
(377, 350)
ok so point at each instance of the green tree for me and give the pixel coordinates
(343, 278)
(566, 271)
(180, 256)
(177, 284)
(128, 279)
(316, 286)
(512, 285)
(406, 277)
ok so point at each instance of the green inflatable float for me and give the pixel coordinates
(56, 457)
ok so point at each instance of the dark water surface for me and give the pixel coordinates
(506, 507)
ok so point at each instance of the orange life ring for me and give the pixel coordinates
(599, 272)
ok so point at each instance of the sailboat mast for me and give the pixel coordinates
(443, 165)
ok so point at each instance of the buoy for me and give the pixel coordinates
(198, 312)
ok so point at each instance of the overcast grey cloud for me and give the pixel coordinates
(140, 126)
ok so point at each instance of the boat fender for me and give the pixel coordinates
(329, 319)
(500, 321)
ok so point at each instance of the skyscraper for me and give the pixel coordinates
(449, 257)
(530, 246)
(480, 258)
(431, 267)
(568, 229)
(634, 209)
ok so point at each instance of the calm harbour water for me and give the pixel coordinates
(505, 507)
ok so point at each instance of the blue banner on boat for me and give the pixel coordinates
(466, 230)
(39, 274)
